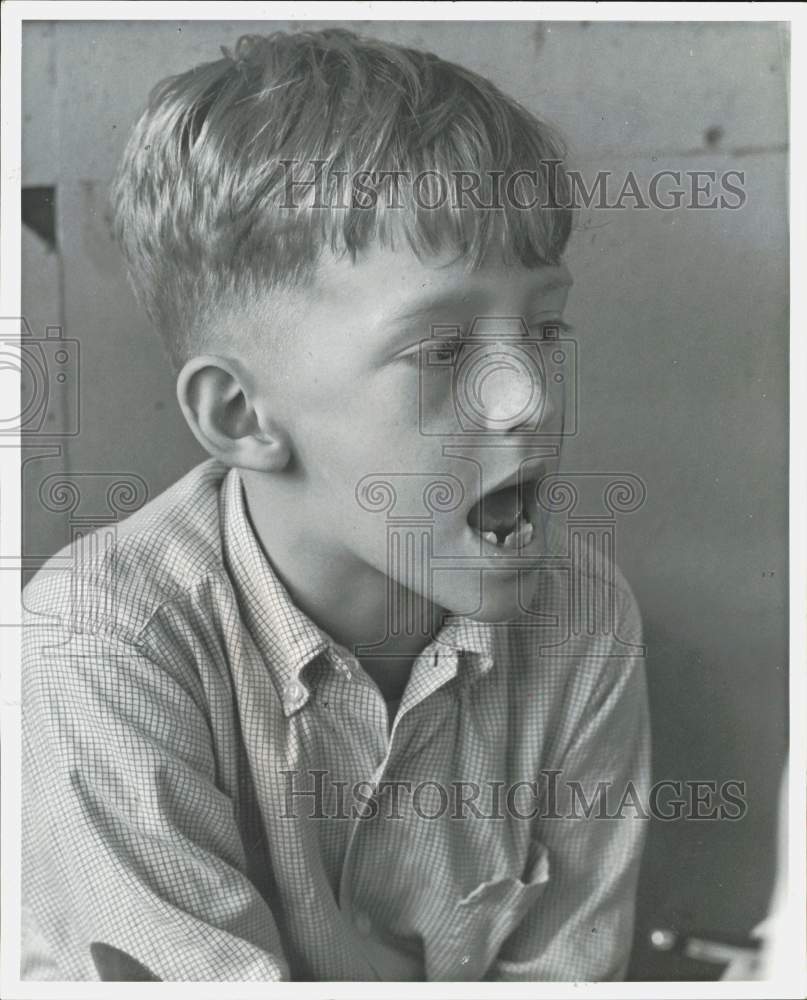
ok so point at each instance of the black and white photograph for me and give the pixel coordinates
(397, 424)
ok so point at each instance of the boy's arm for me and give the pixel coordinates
(581, 928)
(133, 862)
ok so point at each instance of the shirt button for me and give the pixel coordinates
(363, 924)
(295, 692)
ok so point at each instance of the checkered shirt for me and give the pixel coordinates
(212, 789)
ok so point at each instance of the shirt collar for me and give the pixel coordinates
(471, 640)
(287, 638)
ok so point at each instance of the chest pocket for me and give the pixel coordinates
(481, 922)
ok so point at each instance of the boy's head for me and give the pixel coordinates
(298, 218)
(242, 172)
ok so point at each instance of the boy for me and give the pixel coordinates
(318, 714)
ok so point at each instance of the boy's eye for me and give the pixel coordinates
(443, 355)
(447, 354)
(436, 356)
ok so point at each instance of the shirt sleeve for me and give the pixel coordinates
(581, 928)
(133, 865)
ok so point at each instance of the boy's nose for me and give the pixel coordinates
(506, 389)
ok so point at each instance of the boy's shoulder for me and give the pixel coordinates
(117, 577)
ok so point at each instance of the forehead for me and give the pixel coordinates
(397, 285)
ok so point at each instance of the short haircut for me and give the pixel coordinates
(210, 201)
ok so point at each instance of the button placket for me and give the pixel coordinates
(358, 917)
(431, 703)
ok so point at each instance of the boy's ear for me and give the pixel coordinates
(217, 406)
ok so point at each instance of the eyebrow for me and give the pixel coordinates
(446, 300)
(428, 306)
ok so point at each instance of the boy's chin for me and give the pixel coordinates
(497, 601)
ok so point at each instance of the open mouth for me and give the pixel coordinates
(501, 518)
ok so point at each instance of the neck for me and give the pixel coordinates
(351, 601)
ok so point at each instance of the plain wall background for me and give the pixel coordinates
(681, 319)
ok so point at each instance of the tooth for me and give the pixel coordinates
(519, 537)
(490, 536)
